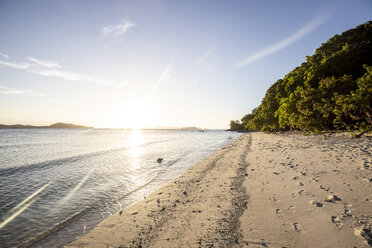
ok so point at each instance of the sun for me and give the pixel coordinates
(134, 114)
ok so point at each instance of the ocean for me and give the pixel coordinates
(57, 184)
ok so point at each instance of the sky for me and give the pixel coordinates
(141, 64)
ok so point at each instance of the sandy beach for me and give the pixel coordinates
(263, 190)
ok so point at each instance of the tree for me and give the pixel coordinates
(236, 126)
(331, 90)
(357, 105)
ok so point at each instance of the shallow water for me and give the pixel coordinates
(57, 184)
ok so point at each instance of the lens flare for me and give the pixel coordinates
(76, 188)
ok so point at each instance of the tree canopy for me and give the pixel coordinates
(332, 90)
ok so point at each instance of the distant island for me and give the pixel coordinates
(190, 128)
(55, 125)
(69, 125)
(174, 128)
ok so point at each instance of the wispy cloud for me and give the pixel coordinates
(206, 62)
(45, 63)
(164, 77)
(72, 76)
(20, 66)
(52, 69)
(117, 30)
(211, 65)
(4, 55)
(284, 43)
(11, 91)
(204, 56)
(113, 34)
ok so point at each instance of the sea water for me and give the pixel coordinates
(57, 184)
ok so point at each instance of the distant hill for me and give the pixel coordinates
(189, 128)
(66, 125)
(55, 125)
(174, 128)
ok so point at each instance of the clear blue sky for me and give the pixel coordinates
(149, 63)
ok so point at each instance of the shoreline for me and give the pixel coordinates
(142, 221)
(262, 190)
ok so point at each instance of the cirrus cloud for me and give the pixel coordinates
(12, 91)
(53, 69)
(117, 30)
(4, 55)
(50, 64)
(112, 34)
(315, 23)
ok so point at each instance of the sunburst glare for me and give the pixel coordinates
(136, 149)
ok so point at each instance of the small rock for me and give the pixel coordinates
(332, 198)
(159, 160)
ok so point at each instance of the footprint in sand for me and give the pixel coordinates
(291, 208)
(274, 199)
(324, 188)
(314, 179)
(317, 204)
(337, 221)
(347, 213)
(332, 198)
(298, 227)
(347, 205)
(364, 232)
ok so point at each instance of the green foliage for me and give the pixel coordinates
(330, 91)
(353, 110)
(236, 126)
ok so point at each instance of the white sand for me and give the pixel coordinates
(264, 190)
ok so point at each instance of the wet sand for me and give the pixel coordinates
(263, 190)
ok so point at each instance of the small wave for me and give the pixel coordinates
(78, 215)
(60, 161)
(54, 162)
(173, 162)
(152, 142)
(139, 188)
(62, 224)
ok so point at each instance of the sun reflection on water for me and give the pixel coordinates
(135, 148)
